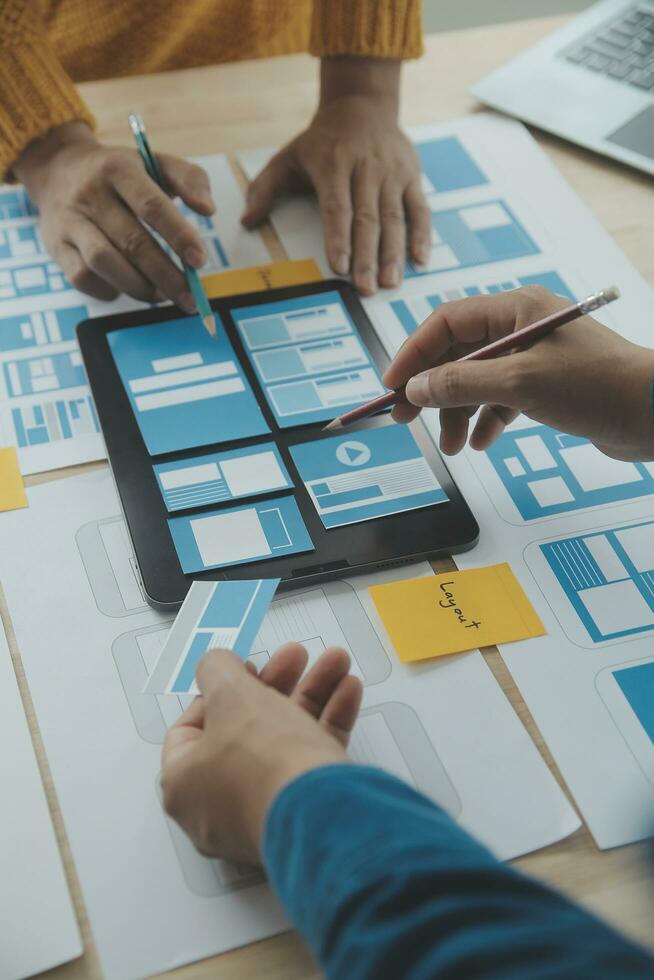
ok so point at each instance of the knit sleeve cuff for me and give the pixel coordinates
(37, 95)
(367, 28)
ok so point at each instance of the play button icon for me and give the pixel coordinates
(353, 453)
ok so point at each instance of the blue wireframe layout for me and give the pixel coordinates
(308, 357)
(608, 579)
(412, 310)
(540, 472)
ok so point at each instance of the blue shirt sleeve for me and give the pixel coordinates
(380, 882)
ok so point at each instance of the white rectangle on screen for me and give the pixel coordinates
(252, 474)
(187, 376)
(230, 537)
(189, 476)
(177, 363)
(194, 393)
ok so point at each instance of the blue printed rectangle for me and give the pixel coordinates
(217, 478)
(368, 474)
(473, 235)
(186, 389)
(447, 166)
(34, 375)
(32, 280)
(637, 685)
(36, 425)
(20, 241)
(308, 357)
(411, 311)
(24, 330)
(239, 535)
(214, 615)
(15, 203)
(608, 578)
(546, 472)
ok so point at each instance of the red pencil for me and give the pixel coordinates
(513, 341)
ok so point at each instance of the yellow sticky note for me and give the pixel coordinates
(12, 490)
(232, 282)
(455, 611)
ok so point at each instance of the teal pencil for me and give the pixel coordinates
(152, 167)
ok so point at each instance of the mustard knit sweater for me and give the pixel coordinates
(48, 45)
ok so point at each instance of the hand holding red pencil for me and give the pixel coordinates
(583, 378)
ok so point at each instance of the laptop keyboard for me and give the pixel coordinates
(622, 49)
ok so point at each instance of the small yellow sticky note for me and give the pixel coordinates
(232, 282)
(455, 611)
(12, 490)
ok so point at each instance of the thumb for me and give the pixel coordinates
(455, 385)
(188, 181)
(264, 189)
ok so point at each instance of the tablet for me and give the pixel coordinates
(219, 454)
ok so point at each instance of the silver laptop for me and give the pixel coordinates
(591, 82)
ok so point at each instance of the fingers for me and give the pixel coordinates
(285, 668)
(454, 429)
(151, 205)
(457, 385)
(218, 669)
(365, 229)
(264, 188)
(393, 235)
(492, 421)
(419, 221)
(341, 711)
(331, 694)
(79, 274)
(100, 256)
(456, 328)
(188, 181)
(335, 203)
(150, 271)
(186, 731)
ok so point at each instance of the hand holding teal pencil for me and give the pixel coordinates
(93, 202)
(583, 378)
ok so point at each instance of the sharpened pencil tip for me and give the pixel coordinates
(210, 324)
(335, 424)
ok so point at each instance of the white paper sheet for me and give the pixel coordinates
(45, 405)
(39, 928)
(536, 483)
(88, 642)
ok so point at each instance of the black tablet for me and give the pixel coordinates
(219, 454)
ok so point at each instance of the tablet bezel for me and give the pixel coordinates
(365, 547)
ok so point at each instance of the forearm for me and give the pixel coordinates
(32, 164)
(380, 882)
(374, 78)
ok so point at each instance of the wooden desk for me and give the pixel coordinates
(227, 108)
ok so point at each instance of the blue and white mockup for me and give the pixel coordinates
(366, 474)
(608, 577)
(186, 388)
(217, 478)
(547, 472)
(214, 615)
(237, 535)
(309, 358)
